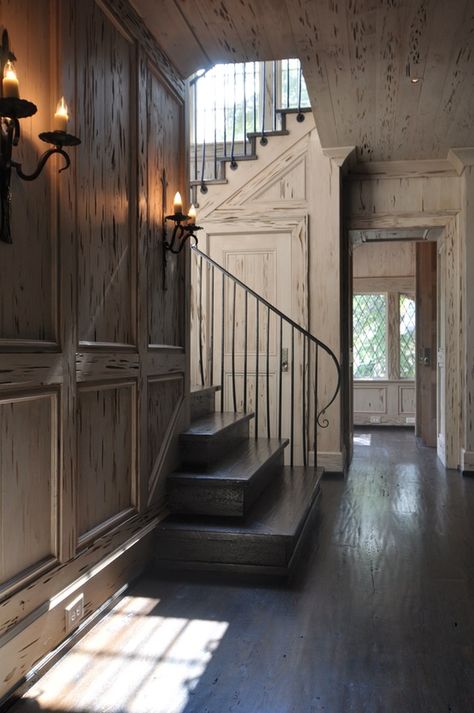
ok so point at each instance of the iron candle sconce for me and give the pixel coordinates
(12, 109)
(183, 230)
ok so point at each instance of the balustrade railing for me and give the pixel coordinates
(263, 360)
(233, 106)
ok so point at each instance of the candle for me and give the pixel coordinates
(178, 203)
(10, 85)
(192, 215)
(61, 116)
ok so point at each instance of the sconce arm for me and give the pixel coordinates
(41, 164)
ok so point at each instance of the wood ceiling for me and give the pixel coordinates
(358, 59)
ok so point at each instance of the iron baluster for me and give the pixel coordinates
(268, 374)
(211, 338)
(255, 97)
(274, 97)
(280, 378)
(316, 360)
(257, 350)
(201, 362)
(215, 139)
(195, 107)
(233, 162)
(263, 138)
(244, 66)
(292, 407)
(222, 342)
(303, 400)
(234, 395)
(246, 306)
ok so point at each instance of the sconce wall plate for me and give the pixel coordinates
(12, 109)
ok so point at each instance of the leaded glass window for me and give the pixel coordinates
(407, 337)
(370, 336)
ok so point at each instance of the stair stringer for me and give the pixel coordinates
(258, 171)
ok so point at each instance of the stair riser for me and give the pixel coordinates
(202, 404)
(236, 551)
(222, 499)
(232, 553)
(200, 451)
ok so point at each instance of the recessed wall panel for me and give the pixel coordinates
(105, 208)
(106, 453)
(28, 479)
(165, 151)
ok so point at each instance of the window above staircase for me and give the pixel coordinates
(235, 105)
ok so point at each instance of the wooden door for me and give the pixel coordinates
(263, 262)
(426, 342)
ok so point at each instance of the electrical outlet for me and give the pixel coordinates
(374, 419)
(74, 612)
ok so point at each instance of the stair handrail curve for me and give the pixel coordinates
(324, 423)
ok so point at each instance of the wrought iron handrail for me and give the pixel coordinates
(231, 106)
(307, 338)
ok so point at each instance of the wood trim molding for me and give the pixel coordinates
(426, 168)
(460, 158)
(467, 461)
(331, 461)
(384, 284)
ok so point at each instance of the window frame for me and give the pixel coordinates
(392, 335)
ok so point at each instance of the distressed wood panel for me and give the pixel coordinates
(106, 61)
(28, 268)
(28, 482)
(370, 399)
(165, 156)
(165, 395)
(407, 400)
(389, 403)
(384, 260)
(106, 454)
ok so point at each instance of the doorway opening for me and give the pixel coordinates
(394, 332)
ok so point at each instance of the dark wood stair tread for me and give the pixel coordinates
(238, 466)
(279, 512)
(214, 424)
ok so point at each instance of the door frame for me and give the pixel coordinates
(449, 230)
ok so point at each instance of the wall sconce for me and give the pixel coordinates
(184, 227)
(12, 109)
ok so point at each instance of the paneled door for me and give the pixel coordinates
(264, 262)
(426, 343)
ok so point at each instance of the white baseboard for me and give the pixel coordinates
(467, 460)
(331, 461)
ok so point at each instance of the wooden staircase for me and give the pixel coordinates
(234, 505)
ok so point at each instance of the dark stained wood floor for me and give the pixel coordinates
(380, 617)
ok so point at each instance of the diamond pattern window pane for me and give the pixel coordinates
(370, 336)
(407, 337)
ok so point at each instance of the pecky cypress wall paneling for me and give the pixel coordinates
(93, 347)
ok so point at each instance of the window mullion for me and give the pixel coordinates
(393, 335)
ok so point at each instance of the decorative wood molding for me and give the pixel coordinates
(331, 461)
(384, 284)
(340, 155)
(467, 461)
(431, 219)
(460, 158)
(427, 168)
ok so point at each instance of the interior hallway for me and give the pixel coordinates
(379, 617)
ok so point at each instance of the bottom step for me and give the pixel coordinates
(267, 540)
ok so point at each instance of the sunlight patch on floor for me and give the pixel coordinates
(134, 661)
(362, 439)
